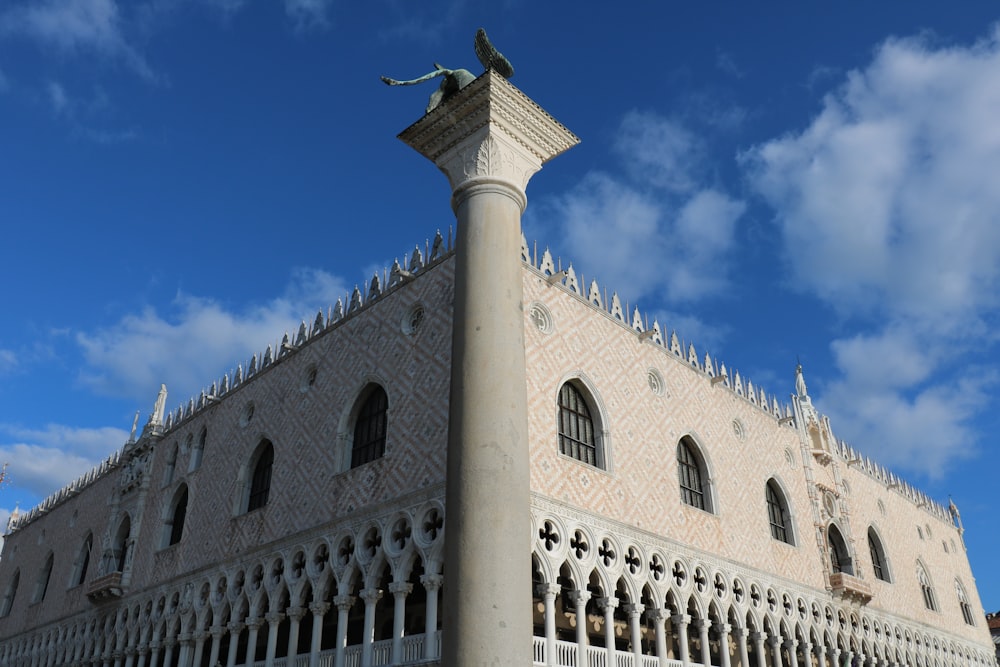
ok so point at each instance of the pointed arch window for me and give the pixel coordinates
(577, 438)
(693, 476)
(926, 589)
(42, 584)
(963, 603)
(840, 557)
(168, 471)
(260, 480)
(370, 428)
(121, 544)
(777, 513)
(198, 450)
(879, 564)
(10, 594)
(82, 561)
(173, 527)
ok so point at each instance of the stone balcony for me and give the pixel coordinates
(105, 588)
(850, 588)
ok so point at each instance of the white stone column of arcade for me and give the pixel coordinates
(489, 139)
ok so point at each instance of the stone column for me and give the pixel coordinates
(723, 630)
(295, 615)
(432, 584)
(273, 619)
(775, 643)
(609, 605)
(318, 610)
(129, 656)
(741, 646)
(253, 626)
(659, 617)
(199, 647)
(835, 656)
(634, 611)
(792, 646)
(706, 648)
(213, 654)
(581, 598)
(548, 592)
(235, 628)
(185, 640)
(807, 649)
(154, 653)
(141, 662)
(168, 651)
(821, 655)
(399, 590)
(758, 642)
(344, 604)
(371, 596)
(680, 621)
(489, 139)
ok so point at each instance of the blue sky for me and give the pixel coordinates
(181, 182)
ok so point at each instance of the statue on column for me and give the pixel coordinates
(456, 79)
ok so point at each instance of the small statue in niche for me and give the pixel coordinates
(456, 79)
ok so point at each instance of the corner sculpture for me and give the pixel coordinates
(456, 79)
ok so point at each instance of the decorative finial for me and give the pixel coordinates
(156, 418)
(800, 382)
(135, 424)
(456, 79)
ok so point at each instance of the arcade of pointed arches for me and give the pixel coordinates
(616, 601)
(363, 595)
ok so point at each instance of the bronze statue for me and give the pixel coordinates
(456, 79)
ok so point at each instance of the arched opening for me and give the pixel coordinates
(840, 558)
(778, 515)
(693, 476)
(880, 566)
(260, 479)
(370, 427)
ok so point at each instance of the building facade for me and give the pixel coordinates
(307, 508)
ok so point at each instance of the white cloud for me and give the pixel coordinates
(74, 26)
(663, 231)
(41, 461)
(887, 205)
(8, 361)
(660, 152)
(306, 14)
(889, 199)
(197, 341)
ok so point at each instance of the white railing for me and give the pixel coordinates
(566, 655)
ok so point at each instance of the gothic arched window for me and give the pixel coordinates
(173, 526)
(840, 557)
(260, 479)
(82, 561)
(577, 438)
(693, 476)
(42, 584)
(120, 551)
(963, 603)
(926, 590)
(879, 564)
(370, 428)
(10, 594)
(777, 513)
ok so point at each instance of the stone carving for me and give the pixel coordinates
(453, 80)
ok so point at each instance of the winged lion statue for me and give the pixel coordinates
(453, 80)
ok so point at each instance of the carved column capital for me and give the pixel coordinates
(319, 608)
(296, 613)
(235, 627)
(344, 602)
(432, 582)
(400, 588)
(254, 622)
(545, 590)
(274, 617)
(371, 595)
